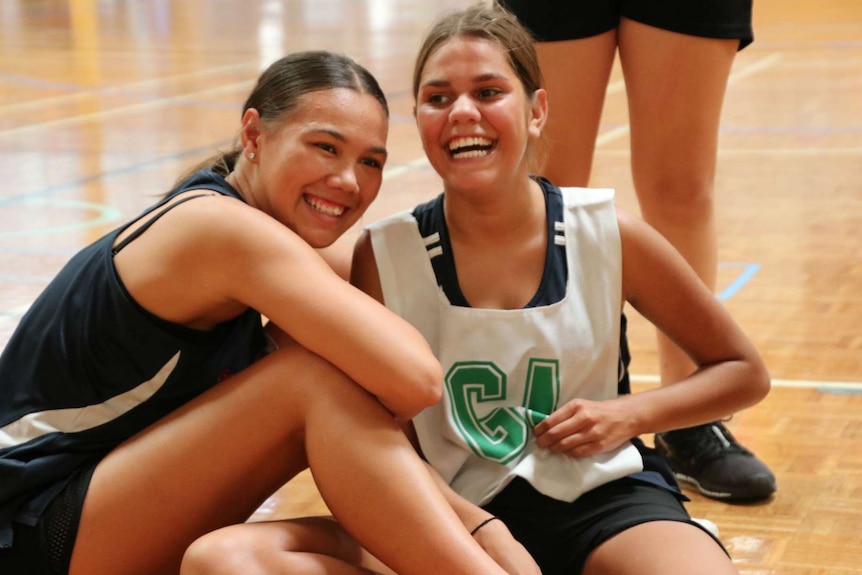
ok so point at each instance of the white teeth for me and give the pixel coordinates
(468, 142)
(470, 147)
(471, 154)
(328, 210)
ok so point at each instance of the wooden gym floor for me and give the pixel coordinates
(103, 103)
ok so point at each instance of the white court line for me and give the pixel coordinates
(768, 152)
(404, 168)
(154, 104)
(122, 89)
(784, 383)
(742, 73)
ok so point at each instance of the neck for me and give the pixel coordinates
(239, 180)
(499, 215)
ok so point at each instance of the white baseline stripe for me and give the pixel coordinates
(126, 110)
(785, 383)
(124, 89)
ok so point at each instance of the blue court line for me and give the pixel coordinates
(107, 214)
(736, 285)
(50, 190)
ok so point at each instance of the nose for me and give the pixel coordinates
(464, 110)
(344, 179)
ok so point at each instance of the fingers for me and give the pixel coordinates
(579, 428)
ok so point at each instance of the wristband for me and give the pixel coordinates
(485, 522)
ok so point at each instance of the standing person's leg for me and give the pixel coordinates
(576, 76)
(214, 461)
(675, 85)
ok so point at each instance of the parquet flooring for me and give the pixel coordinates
(102, 104)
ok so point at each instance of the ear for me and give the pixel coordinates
(538, 112)
(250, 131)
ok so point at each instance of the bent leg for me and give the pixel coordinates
(675, 85)
(215, 460)
(660, 547)
(576, 76)
(306, 546)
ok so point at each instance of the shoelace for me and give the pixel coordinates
(708, 441)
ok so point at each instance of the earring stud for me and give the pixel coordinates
(251, 155)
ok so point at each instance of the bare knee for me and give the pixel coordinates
(221, 552)
(305, 545)
(677, 198)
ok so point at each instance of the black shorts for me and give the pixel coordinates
(560, 535)
(552, 20)
(46, 548)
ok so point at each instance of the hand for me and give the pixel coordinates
(497, 541)
(582, 427)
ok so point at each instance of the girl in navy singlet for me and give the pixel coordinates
(143, 405)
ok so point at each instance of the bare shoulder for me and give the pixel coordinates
(225, 227)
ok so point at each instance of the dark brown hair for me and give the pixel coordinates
(497, 25)
(285, 81)
(492, 23)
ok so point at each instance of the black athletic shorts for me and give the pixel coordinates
(560, 536)
(552, 20)
(46, 548)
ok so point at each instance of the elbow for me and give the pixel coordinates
(426, 390)
(429, 386)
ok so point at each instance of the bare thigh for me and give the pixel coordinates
(209, 464)
(675, 85)
(660, 548)
(576, 75)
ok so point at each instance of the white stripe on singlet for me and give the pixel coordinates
(75, 419)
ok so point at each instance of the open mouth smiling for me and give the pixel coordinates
(328, 208)
(470, 147)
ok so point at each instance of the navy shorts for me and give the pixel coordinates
(552, 20)
(560, 536)
(46, 547)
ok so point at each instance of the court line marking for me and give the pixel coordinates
(122, 89)
(124, 110)
(750, 269)
(768, 152)
(105, 215)
(780, 383)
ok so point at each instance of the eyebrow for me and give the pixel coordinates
(340, 137)
(480, 78)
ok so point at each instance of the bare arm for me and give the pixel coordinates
(208, 259)
(730, 375)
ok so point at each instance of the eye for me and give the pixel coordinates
(372, 162)
(487, 93)
(326, 147)
(436, 99)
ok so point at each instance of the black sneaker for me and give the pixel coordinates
(710, 458)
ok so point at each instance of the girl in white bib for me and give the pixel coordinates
(519, 287)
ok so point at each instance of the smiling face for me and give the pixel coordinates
(474, 117)
(320, 166)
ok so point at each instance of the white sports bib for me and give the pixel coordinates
(505, 370)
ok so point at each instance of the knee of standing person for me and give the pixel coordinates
(679, 196)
